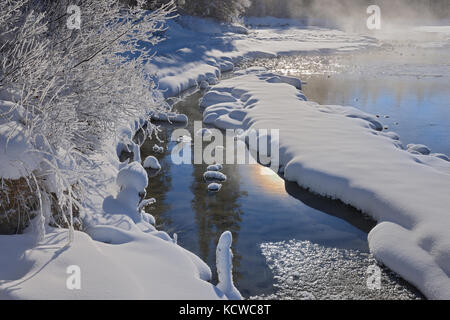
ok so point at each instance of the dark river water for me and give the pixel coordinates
(287, 242)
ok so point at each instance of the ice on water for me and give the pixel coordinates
(304, 270)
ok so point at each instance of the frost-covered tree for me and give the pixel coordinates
(223, 10)
(69, 90)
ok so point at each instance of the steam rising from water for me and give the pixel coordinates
(351, 15)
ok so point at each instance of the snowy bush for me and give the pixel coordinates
(70, 89)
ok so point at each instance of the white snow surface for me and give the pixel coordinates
(136, 265)
(224, 263)
(197, 51)
(339, 152)
(120, 254)
(214, 175)
(17, 159)
(152, 163)
(214, 187)
(214, 167)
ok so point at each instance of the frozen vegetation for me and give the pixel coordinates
(63, 188)
(62, 134)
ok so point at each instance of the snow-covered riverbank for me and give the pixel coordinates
(198, 50)
(343, 153)
(121, 254)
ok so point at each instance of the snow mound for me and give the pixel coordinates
(419, 148)
(133, 176)
(131, 265)
(158, 149)
(214, 175)
(340, 152)
(214, 187)
(224, 264)
(17, 157)
(441, 156)
(204, 85)
(214, 97)
(214, 167)
(152, 163)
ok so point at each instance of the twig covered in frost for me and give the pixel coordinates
(72, 89)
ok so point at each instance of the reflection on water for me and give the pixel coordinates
(258, 207)
(417, 109)
(216, 213)
(406, 86)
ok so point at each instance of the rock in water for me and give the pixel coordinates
(152, 163)
(214, 187)
(214, 175)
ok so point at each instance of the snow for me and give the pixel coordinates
(420, 148)
(214, 167)
(158, 149)
(214, 175)
(120, 254)
(133, 266)
(152, 163)
(441, 156)
(197, 51)
(340, 152)
(214, 187)
(16, 155)
(123, 256)
(224, 264)
(133, 176)
(169, 117)
(204, 85)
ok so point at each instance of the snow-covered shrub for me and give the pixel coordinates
(70, 89)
